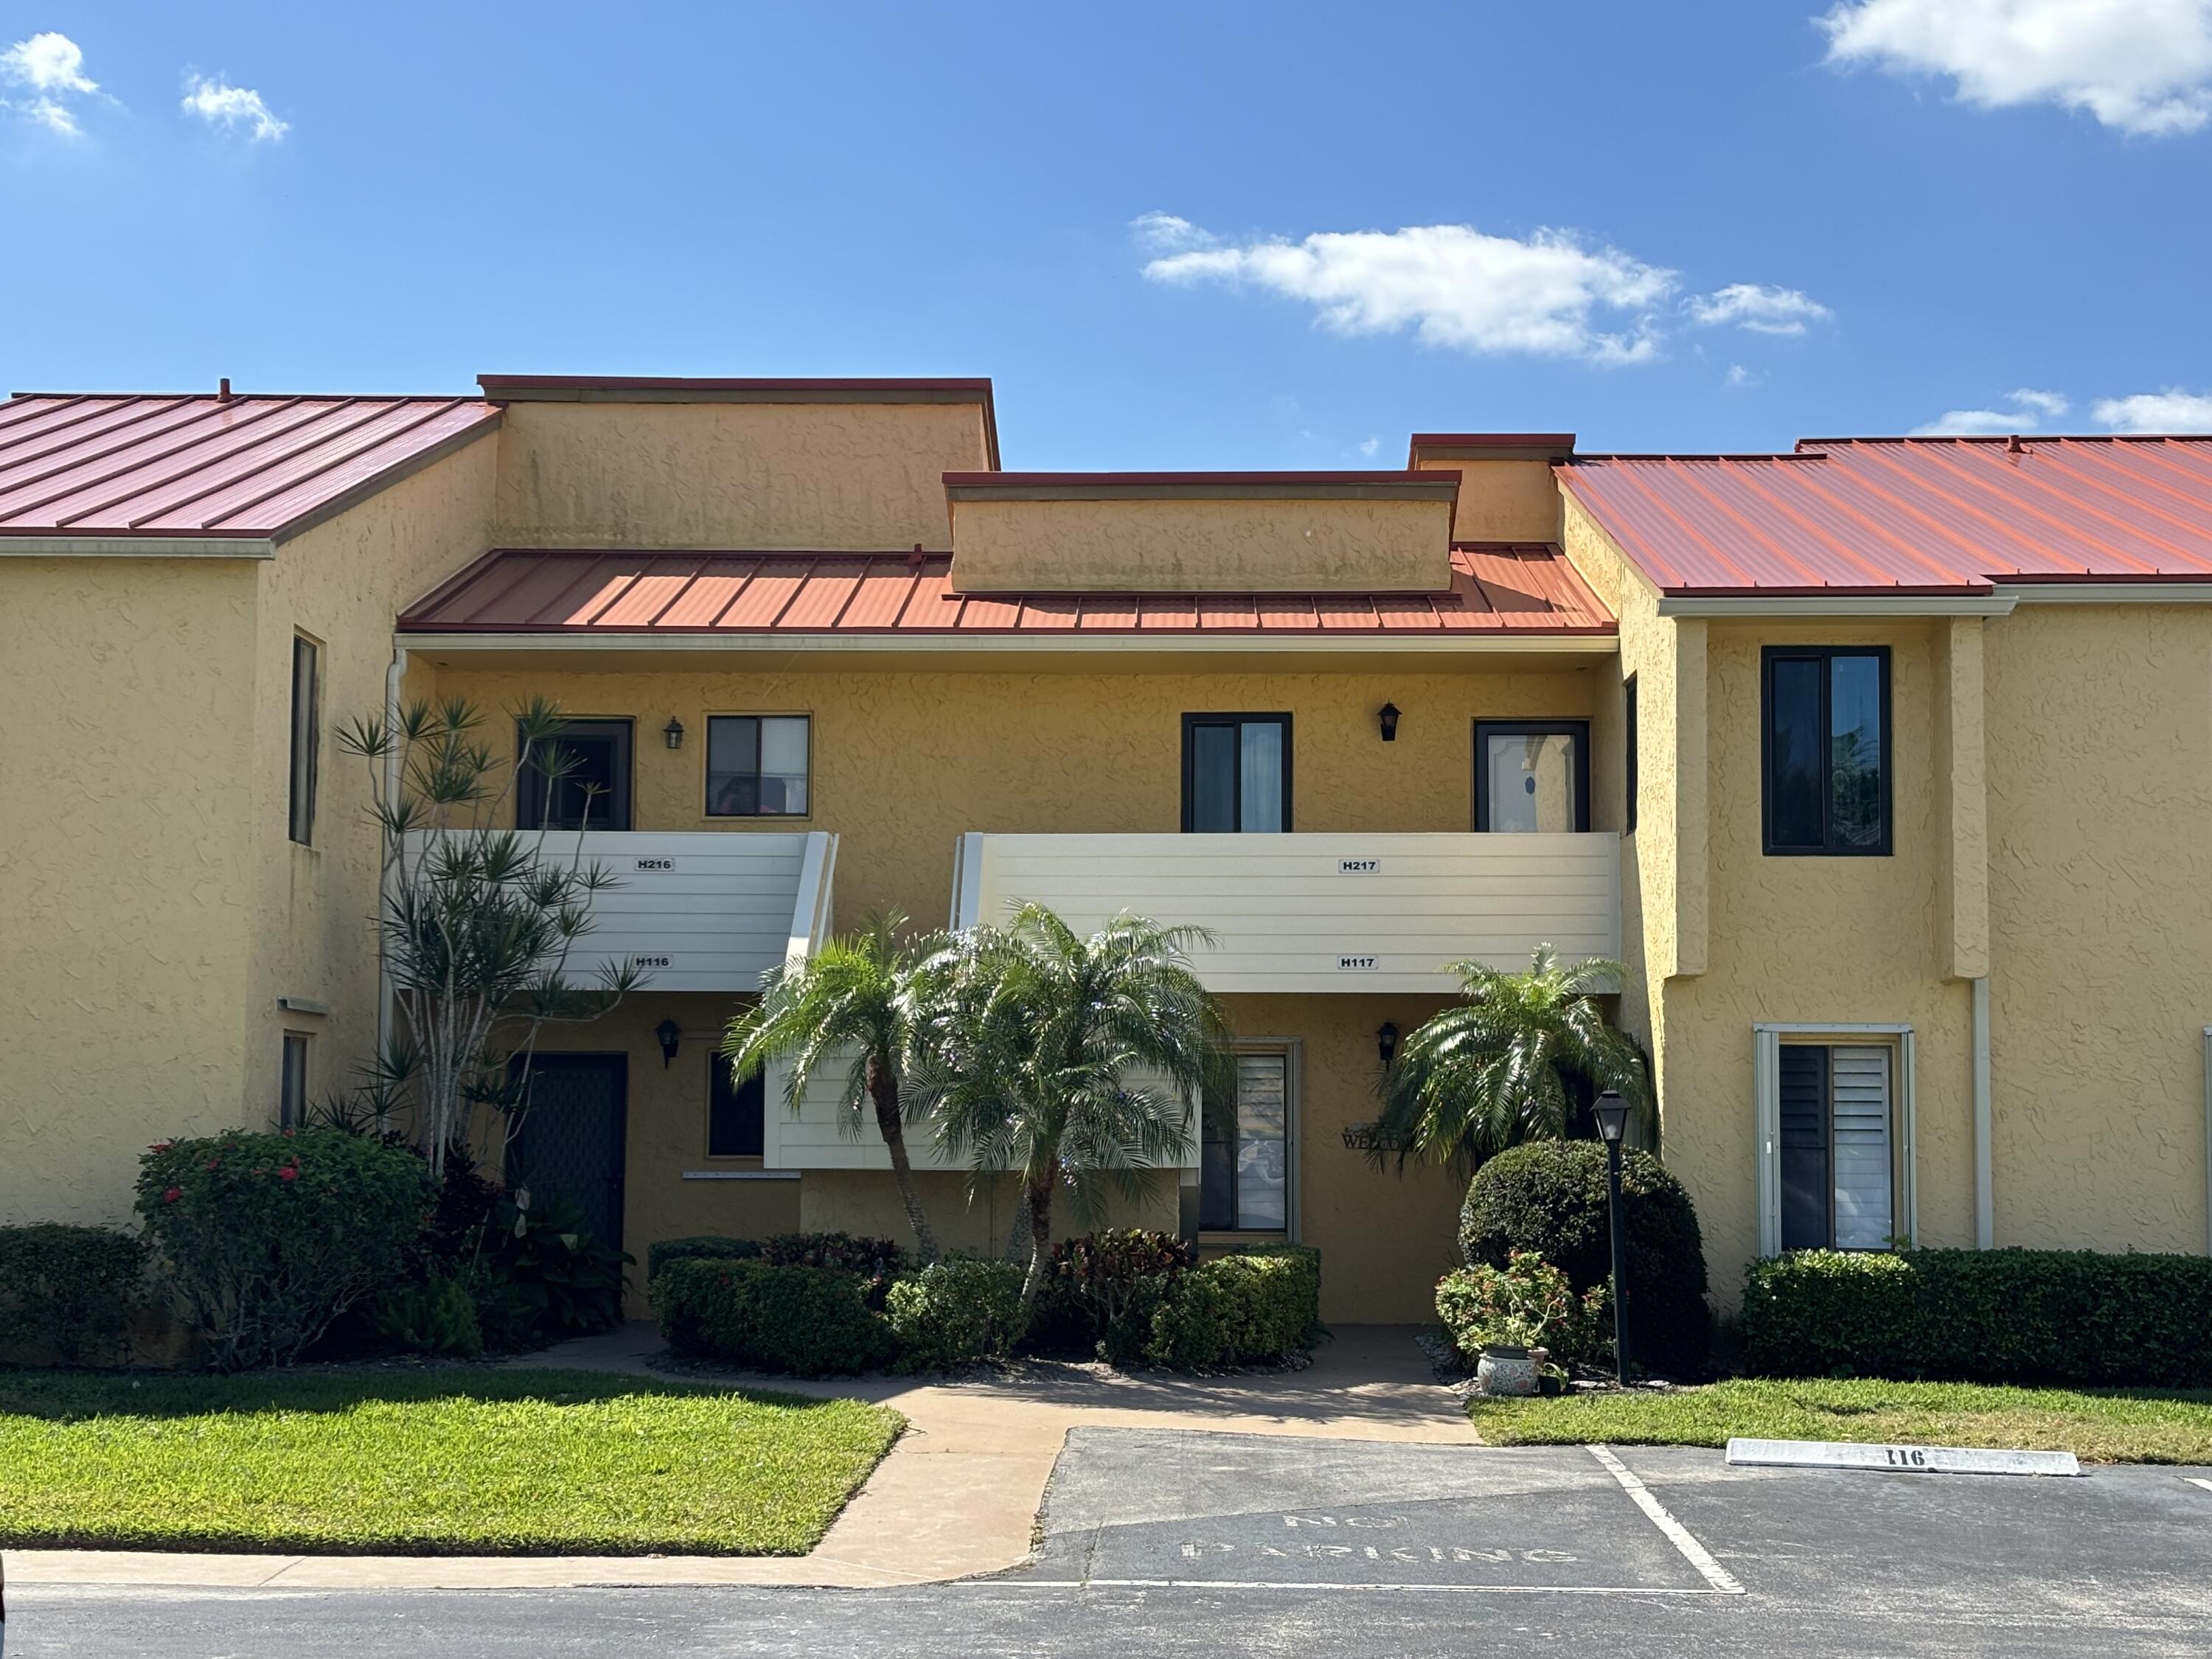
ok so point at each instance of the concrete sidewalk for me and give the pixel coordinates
(958, 1494)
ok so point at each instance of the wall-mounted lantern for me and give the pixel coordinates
(1386, 1044)
(1387, 717)
(673, 731)
(670, 1033)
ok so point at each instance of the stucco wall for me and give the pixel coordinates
(127, 873)
(1502, 500)
(903, 763)
(810, 476)
(340, 583)
(2099, 734)
(1202, 546)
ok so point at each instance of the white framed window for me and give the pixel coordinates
(1834, 1127)
(292, 1081)
(1248, 1174)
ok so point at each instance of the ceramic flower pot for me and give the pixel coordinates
(1506, 1371)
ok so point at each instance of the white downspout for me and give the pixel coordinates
(2208, 1140)
(1984, 1155)
(393, 675)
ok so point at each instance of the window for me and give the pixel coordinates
(1236, 773)
(1628, 740)
(736, 1121)
(1838, 1190)
(757, 766)
(592, 791)
(1244, 1176)
(307, 735)
(292, 1082)
(1826, 750)
(1531, 776)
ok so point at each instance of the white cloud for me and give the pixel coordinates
(1758, 307)
(2170, 410)
(2024, 410)
(1738, 377)
(1450, 284)
(1369, 447)
(222, 105)
(2142, 66)
(52, 67)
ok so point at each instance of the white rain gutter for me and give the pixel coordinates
(1984, 1155)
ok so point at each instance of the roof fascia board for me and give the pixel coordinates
(970, 486)
(138, 547)
(1516, 642)
(1835, 605)
(535, 389)
(2135, 593)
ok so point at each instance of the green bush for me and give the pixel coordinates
(1104, 1290)
(811, 1321)
(1256, 1307)
(436, 1316)
(957, 1312)
(545, 1276)
(1982, 1315)
(69, 1290)
(1526, 1303)
(1549, 1196)
(269, 1237)
(705, 1248)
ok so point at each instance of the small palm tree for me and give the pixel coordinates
(1069, 1059)
(1493, 1070)
(856, 997)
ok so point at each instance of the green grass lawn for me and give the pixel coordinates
(452, 1461)
(2136, 1425)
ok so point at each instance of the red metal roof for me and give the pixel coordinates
(1903, 515)
(154, 465)
(1495, 589)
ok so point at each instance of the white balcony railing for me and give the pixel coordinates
(701, 910)
(1329, 912)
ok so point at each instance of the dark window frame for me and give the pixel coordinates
(707, 769)
(1628, 727)
(614, 812)
(291, 1102)
(1191, 723)
(1484, 730)
(1830, 847)
(306, 739)
(1235, 1223)
(718, 1082)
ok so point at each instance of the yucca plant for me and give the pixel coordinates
(1072, 1061)
(853, 1001)
(1496, 1069)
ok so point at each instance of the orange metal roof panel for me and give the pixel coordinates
(176, 466)
(1909, 514)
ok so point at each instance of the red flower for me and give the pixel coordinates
(288, 1135)
(160, 1145)
(214, 1164)
(172, 1195)
(287, 1173)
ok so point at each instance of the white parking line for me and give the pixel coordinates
(1677, 1534)
(1287, 1584)
(2195, 1482)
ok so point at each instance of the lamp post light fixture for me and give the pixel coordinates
(1386, 1043)
(1610, 1113)
(670, 1033)
(673, 731)
(1386, 716)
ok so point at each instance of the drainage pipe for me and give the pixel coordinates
(1984, 1159)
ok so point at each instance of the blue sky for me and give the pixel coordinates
(1182, 235)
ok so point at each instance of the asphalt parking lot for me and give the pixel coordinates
(1177, 1543)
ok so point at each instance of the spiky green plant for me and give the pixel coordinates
(1072, 1061)
(853, 1002)
(1494, 1069)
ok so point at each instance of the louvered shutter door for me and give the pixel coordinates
(1804, 1149)
(1861, 1089)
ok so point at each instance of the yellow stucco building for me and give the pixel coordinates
(1882, 765)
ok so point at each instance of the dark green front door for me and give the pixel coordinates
(569, 1145)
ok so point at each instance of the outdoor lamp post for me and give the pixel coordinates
(1610, 1113)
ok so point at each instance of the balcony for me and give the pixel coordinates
(1321, 913)
(701, 910)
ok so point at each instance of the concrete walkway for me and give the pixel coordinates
(958, 1494)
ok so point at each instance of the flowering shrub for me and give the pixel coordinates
(269, 1237)
(1104, 1290)
(1526, 1303)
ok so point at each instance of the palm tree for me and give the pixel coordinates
(1493, 1070)
(1068, 1059)
(854, 998)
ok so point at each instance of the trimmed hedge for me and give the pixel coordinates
(1103, 1290)
(957, 1312)
(705, 1248)
(1256, 1307)
(1982, 1315)
(1549, 1196)
(69, 1290)
(809, 1322)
